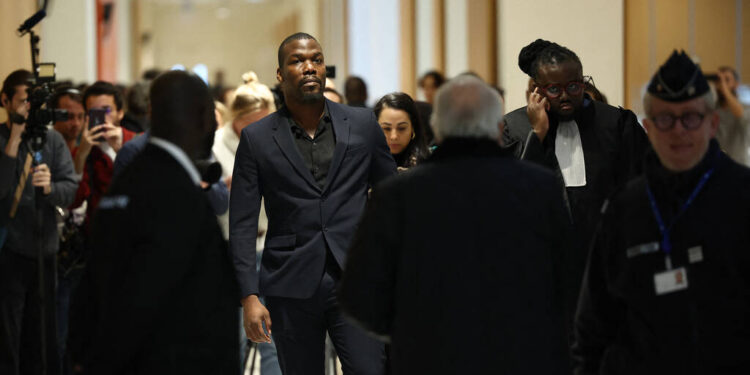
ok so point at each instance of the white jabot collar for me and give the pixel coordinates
(569, 154)
(179, 155)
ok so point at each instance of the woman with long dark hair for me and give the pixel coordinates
(398, 117)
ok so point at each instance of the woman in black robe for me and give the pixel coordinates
(593, 147)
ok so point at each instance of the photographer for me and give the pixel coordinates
(48, 183)
(94, 158)
(734, 117)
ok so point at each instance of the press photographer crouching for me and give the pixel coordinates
(32, 183)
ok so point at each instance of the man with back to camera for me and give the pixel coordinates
(22, 185)
(492, 278)
(313, 162)
(591, 146)
(355, 91)
(163, 292)
(666, 286)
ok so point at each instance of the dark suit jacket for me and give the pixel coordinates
(218, 194)
(163, 293)
(303, 219)
(459, 261)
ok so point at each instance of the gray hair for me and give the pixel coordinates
(465, 106)
(709, 98)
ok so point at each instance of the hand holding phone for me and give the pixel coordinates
(97, 116)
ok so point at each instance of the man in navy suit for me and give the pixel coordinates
(313, 162)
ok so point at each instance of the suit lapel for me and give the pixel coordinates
(341, 129)
(283, 137)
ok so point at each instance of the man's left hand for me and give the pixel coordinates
(113, 135)
(42, 178)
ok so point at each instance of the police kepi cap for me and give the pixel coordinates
(679, 79)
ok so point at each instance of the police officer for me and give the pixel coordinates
(667, 287)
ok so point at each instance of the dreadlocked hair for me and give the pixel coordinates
(541, 52)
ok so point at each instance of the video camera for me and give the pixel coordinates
(41, 111)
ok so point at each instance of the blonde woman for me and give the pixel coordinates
(248, 103)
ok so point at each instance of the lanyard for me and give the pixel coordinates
(666, 243)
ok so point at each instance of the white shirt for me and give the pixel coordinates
(569, 154)
(225, 147)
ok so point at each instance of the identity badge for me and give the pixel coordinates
(671, 281)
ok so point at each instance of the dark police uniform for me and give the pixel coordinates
(624, 324)
(667, 286)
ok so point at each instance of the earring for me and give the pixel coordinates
(413, 134)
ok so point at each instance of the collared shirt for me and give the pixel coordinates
(317, 152)
(179, 155)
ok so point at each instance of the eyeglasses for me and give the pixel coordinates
(573, 88)
(689, 121)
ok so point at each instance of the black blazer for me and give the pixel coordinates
(303, 219)
(163, 293)
(459, 261)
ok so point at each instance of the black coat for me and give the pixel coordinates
(163, 293)
(459, 262)
(613, 146)
(623, 326)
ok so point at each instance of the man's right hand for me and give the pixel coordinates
(16, 133)
(254, 314)
(537, 113)
(88, 140)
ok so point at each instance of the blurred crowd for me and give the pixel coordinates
(471, 238)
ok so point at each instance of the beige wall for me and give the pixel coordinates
(456, 37)
(69, 39)
(246, 39)
(482, 28)
(15, 51)
(593, 29)
(333, 37)
(706, 29)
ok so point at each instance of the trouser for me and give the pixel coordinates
(66, 285)
(299, 330)
(20, 315)
(269, 362)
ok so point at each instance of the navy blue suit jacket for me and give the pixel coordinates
(302, 218)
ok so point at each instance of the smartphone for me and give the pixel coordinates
(711, 77)
(97, 117)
